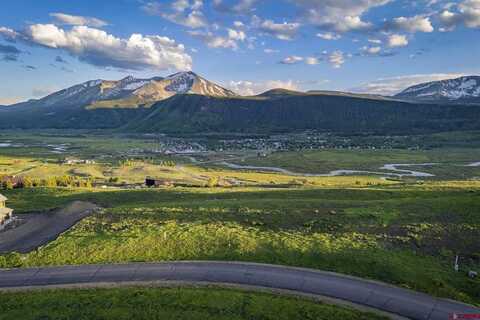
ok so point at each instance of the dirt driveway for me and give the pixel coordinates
(38, 229)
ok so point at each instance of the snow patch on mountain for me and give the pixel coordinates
(452, 90)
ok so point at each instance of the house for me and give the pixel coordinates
(6, 214)
(155, 182)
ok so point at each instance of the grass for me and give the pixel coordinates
(385, 233)
(166, 303)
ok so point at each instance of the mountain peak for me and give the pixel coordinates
(131, 92)
(128, 79)
(465, 89)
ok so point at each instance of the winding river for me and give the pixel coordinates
(394, 168)
(388, 170)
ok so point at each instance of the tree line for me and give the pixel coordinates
(8, 183)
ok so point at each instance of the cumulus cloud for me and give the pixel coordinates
(411, 24)
(464, 13)
(9, 34)
(237, 35)
(99, 48)
(394, 85)
(397, 40)
(282, 31)
(63, 18)
(338, 15)
(250, 88)
(182, 12)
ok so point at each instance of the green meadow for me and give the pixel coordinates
(167, 303)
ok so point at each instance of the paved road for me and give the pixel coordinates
(373, 294)
(41, 228)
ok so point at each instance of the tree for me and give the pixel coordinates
(212, 182)
(27, 182)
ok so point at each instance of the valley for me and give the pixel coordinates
(404, 230)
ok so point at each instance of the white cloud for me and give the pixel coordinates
(238, 24)
(466, 12)
(339, 15)
(312, 61)
(183, 12)
(292, 60)
(375, 41)
(9, 34)
(250, 88)
(336, 59)
(282, 31)
(102, 49)
(371, 50)
(397, 40)
(214, 41)
(394, 85)
(329, 36)
(236, 35)
(68, 19)
(411, 24)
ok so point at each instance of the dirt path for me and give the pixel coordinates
(41, 228)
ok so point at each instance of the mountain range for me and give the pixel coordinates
(186, 102)
(463, 90)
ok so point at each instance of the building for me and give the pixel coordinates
(6, 214)
(155, 182)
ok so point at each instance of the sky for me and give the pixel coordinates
(249, 46)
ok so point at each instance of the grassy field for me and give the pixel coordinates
(403, 235)
(166, 303)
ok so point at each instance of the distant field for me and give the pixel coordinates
(167, 303)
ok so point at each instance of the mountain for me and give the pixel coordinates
(463, 90)
(129, 92)
(187, 103)
(288, 113)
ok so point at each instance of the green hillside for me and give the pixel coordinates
(272, 112)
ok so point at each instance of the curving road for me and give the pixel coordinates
(362, 292)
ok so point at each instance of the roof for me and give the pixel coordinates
(3, 198)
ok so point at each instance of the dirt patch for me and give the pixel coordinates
(37, 229)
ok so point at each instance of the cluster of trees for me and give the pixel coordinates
(8, 183)
(133, 162)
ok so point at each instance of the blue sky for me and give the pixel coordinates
(377, 46)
